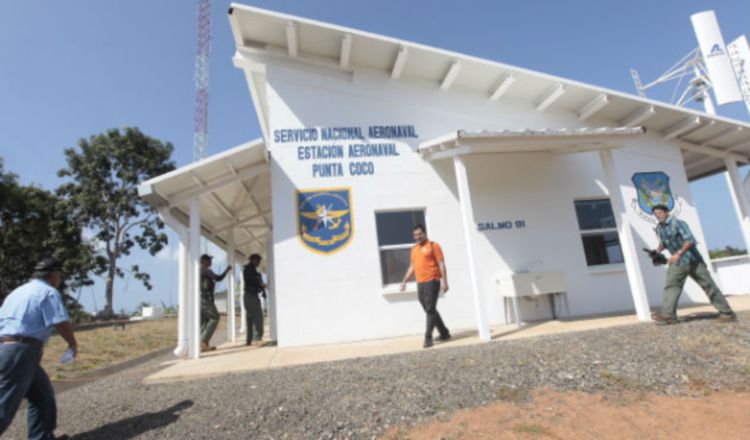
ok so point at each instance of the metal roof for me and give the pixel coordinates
(706, 140)
(234, 192)
(556, 141)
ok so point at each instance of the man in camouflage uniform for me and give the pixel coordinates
(209, 313)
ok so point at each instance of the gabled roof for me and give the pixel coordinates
(706, 140)
(234, 192)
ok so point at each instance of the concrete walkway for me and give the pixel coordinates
(237, 358)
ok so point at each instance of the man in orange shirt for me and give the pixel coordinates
(428, 263)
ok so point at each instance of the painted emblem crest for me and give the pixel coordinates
(324, 219)
(653, 189)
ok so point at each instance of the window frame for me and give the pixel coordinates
(604, 267)
(393, 288)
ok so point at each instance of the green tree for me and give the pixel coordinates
(34, 225)
(728, 251)
(104, 173)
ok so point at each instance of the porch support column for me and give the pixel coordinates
(194, 345)
(183, 281)
(467, 211)
(739, 198)
(183, 289)
(625, 234)
(271, 289)
(232, 287)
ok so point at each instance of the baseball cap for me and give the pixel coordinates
(48, 265)
(206, 257)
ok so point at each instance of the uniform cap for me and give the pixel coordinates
(48, 264)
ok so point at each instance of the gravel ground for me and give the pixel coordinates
(362, 398)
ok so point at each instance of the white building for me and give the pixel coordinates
(510, 170)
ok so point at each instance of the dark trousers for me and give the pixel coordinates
(22, 376)
(428, 296)
(253, 316)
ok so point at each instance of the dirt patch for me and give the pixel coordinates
(103, 347)
(575, 415)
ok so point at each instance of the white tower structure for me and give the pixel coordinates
(708, 67)
(739, 52)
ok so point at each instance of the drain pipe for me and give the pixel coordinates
(182, 282)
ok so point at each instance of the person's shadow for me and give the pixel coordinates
(699, 316)
(137, 425)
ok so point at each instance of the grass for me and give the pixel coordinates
(532, 429)
(709, 345)
(698, 384)
(104, 346)
(617, 385)
(510, 394)
(614, 379)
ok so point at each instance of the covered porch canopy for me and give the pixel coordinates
(225, 199)
(457, 145)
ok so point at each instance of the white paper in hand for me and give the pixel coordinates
(67, 356)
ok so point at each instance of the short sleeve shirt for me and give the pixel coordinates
(673, 234)
(425, 258)
(32, 310)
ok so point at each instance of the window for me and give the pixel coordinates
(395, 240)
(601, 244)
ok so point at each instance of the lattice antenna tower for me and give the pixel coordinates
(202, 54)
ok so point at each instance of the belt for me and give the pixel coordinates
(34, 342)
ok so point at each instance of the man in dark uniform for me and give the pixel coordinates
(209, 313)
(253, 311)
(27, 318)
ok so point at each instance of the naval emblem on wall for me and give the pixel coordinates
(324, 219)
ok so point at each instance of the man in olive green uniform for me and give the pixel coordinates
(675, 236)
(209, 313)
(253, 288)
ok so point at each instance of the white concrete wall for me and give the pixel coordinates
(541, 189)
(734, 274)
(339, 297)
(650, 153)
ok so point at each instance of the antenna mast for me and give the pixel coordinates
(202, 53)
(708, 67)
(690, 66)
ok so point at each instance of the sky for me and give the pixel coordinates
(76, 68)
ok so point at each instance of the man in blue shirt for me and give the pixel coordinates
(27, 318)
(675, 236)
